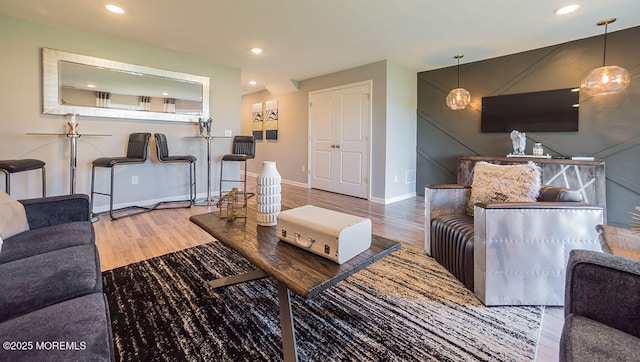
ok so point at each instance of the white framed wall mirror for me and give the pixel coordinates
(96, 87)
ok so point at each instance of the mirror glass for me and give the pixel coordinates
(89, 86)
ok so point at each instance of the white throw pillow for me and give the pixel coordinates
(504, 183)
(13, 218)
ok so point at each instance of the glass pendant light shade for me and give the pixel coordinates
(458, 98)
(606, 80)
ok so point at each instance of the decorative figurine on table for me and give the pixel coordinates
(519, 142)
(201, 123)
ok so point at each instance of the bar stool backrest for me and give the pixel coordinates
(244, 145)
(161, 146)
(138, 145)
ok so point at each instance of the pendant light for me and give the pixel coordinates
(606, 79)
(459, 97)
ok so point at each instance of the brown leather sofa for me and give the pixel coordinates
(509, 253)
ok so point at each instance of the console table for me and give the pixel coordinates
(588, 177)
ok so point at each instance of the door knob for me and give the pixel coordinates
(337, 146)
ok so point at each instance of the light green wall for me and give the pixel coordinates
(21, 107)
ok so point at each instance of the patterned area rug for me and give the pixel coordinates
(405, 307)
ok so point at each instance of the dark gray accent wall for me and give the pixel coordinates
(609, 126)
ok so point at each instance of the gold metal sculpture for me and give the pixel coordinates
(232, 206)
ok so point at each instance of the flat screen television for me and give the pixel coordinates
(547, 111)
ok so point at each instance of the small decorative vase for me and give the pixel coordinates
(269, 194)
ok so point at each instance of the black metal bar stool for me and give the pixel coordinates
(244, 148)
(12, 166)
(136, 153)
(162, 148)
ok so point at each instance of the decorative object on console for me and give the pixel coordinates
(269, 194)
(504, 183)
(458, 98)
(606, 79)
(537, 149)
(519, 142)
(72, 121)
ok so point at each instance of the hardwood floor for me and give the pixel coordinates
(159, 232)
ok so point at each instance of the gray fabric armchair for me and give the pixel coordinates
(602, 308)
(509, 253)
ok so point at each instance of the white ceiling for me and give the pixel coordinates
(307, 38)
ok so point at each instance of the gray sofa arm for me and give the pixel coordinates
(55, 210)
(604, 288)
(45, 279)
(441, 199)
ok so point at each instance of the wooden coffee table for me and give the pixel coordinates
(295, 269)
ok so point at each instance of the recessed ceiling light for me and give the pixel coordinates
(256, 50)
(252, 82)
(567, 9)
(114, 9)
(91, 85)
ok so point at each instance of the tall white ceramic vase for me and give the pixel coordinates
(269, 194)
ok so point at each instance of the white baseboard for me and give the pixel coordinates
(202, 195)
(393, 199)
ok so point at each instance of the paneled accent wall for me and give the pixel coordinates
(609, 126)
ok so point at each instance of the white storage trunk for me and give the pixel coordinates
(331, 234)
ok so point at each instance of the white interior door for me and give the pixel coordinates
(340, 121)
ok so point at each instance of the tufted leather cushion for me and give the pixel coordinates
(452, 245)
